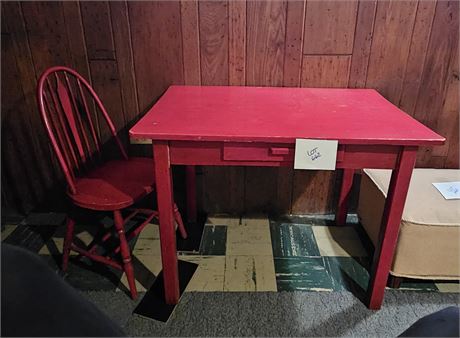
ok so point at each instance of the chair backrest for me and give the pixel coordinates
(71, 110)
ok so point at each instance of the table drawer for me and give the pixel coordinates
(276, 154)
(258, 152)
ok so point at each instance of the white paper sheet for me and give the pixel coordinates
(450, 190)
(315, 154)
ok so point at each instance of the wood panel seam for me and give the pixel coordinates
(425, 61)
(372, 42)
(408, 53)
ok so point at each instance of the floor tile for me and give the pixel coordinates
(55, 245)
(249, 240)
(32, 238)
(214, 241)
(148, 242)
(419, 285)
(338, 241)
(249, 273)
(84, 236)
(151, 231)
(251, 220)
(293, 240)
(8, 229)
(209, 276)
(303, 274)
(448, 287)
(223, 220)
(328, 220)
(233, 253)
(348, 273)
(194, 235)
(146, 268)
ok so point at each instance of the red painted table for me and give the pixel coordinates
(253, 126)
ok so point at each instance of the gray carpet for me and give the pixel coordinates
(277, 313)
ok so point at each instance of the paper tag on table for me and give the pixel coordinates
(315, 154)
(450, 190)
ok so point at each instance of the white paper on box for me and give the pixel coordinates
(315, 154)
(449, 190)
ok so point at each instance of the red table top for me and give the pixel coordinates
(266, 114)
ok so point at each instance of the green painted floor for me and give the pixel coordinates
(248, 253)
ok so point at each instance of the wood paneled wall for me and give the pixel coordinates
(132, 51)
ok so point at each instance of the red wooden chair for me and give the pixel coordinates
(73, 114)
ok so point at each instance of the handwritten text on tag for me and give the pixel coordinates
(315, 154)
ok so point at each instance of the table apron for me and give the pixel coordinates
(276, 155)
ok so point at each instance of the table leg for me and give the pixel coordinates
(345, 190)
(166, 218)
(388, 235)
(190, 179)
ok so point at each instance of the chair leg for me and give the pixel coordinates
(180, 224)
(67, 243)
(125, 253)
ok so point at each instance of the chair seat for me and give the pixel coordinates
(115, 184)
